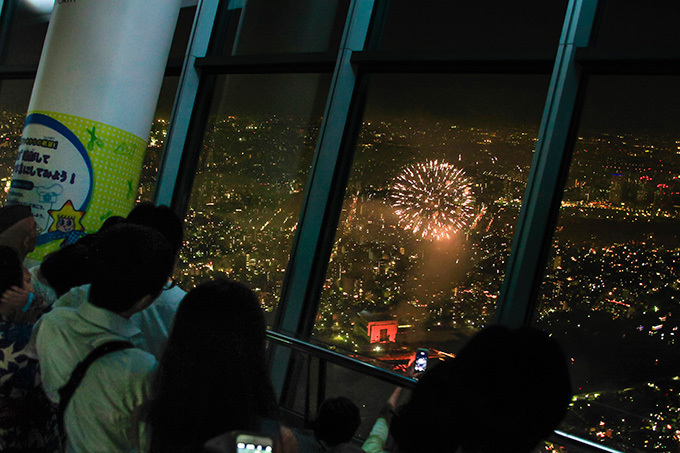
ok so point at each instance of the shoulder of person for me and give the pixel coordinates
(134, 360)
(55, 318)
(74, 298)
(34, 271)
(170, 298)
(175, 292)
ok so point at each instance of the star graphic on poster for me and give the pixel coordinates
(66, 219)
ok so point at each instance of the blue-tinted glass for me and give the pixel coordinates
(285, 26)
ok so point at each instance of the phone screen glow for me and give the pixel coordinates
(247, 447)
(421, 361)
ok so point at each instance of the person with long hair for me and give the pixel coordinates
(213, 378)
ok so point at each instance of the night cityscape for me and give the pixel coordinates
(610, 292)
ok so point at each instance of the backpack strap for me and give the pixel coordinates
(66, 392)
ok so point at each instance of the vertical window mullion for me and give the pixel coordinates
(7, 8)
(549, 167)
(314, 229)
(314, 226)
(178, 129)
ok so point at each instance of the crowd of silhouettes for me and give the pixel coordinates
(104, 352)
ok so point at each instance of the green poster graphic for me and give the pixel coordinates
(74, 173)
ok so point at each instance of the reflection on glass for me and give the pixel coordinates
(611, 289)
(552, 447)
(350, 384)
(292, 26)
(14, 97)
(248, 189)
(313, 374)
(429, 212)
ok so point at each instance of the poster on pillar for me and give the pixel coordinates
(92, 105)
(60, 160)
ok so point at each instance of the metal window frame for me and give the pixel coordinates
(7, 8)
(309, 255)
(185, 100)
(182, 150)
(327, 180)
(323, 200)
(549, 168)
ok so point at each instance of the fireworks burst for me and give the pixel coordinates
(433, 198)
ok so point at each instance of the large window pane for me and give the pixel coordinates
(532, 25)
(611, 290)
(429, 212)
(292, 26)
(248, 189)
(14, 97)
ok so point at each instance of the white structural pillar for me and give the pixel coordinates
(90, 114)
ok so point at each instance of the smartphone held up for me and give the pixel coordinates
(421, 360)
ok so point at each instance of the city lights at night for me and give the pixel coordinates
(610, 292)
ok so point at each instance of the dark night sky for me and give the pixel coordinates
(471, 100)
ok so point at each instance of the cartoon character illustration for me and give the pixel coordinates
(66, 224)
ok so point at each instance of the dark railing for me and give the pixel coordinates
(342, 360)
(575, 444)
